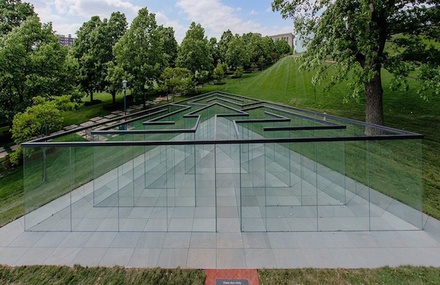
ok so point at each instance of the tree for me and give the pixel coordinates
(177, 80)
(224, 43)
(43, 118)
(282, 47)
(13, 13)
(87, 48)
(215, 51)
(364, 37)
(195, 52)
(237, 55)
(170, 45)
(219, 72)
(114, 75)
(140, 53)
(32, 63)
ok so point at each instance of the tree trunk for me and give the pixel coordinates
(114, 97)
(91, 97)
(143, 98)
(374, 104)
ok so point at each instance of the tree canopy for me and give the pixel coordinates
(363, 37)
(32, 63)
(87, 48)
(195, 51)
(13, 13)
(140, 53)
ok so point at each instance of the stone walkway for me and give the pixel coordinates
(223, 249)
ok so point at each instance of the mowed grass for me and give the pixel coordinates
(405, 110)
(385, 275)
(117, 275)
(98, 275)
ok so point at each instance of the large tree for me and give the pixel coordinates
(32, 63)
(195, 50)
(87, 50)
(223, 44)
(170, 45)
(140, 53)
(237, 55)
(365, 36)
(111, 33)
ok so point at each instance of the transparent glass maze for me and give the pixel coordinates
(221, 162)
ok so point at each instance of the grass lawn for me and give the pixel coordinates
(117, 275)
(98, 275)
(385, 275)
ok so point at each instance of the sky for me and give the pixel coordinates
(216, 16)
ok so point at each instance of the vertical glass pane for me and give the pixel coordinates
(253, 187)
(303, 217)
(395, 182)
(205, 215)
(356, 181)
(330, 171)
(155, 195)
(47, 185)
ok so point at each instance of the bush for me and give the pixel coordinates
(238, 73)
(6, 163)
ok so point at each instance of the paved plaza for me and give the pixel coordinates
(226, 249)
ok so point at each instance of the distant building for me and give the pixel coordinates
(66, 40)
(288, 37)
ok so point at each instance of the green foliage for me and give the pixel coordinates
(13, 13)
(140, 53)
(219, 72)
(99, 275)
(43, 118)
(237, 55)
(32, 63)
(260, 49)
(224, 43)
(215, 50)
(363, 38)
(87, 74)
(238, 73)
(195, 50)
(170, 45)
(178, 80)
(282, 47)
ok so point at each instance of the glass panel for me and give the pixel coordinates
(395, 182)
(47, 185)
(303, 217)
(253, 187)
(330, 171)
(205, 215)
(356, 181)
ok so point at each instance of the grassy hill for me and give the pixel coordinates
(406, 110)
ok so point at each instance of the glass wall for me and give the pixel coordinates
(224, 163)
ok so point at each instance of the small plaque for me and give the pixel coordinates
(231, 282)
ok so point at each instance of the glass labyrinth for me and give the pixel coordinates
(222, 162)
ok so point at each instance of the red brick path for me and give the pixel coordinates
(248, 274)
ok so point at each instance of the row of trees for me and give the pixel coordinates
(107, 51)
(147, 55)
